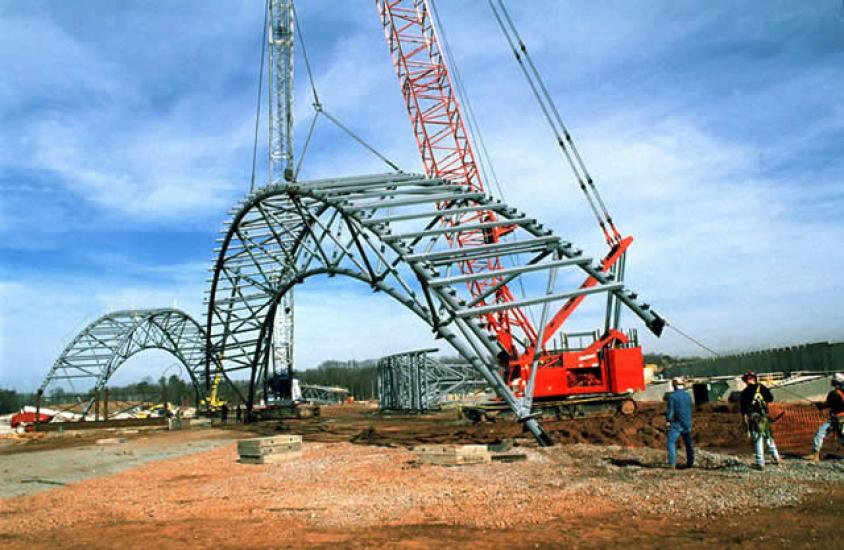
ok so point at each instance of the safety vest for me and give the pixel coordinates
(758, 404)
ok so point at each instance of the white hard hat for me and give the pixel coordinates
(677, 381)
(838, 378)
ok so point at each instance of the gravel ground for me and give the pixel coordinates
(33, 472)
(343, 485)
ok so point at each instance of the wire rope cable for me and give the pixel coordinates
(561, 133)
(260, 89)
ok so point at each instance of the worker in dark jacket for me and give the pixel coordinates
(835, 403)
(678, 418)
(754, 412)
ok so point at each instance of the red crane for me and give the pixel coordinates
(610, 364)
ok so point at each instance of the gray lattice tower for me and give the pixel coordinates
(415, 381)
(281, 41)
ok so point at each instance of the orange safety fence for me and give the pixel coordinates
(794, 426)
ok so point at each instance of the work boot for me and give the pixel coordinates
(760, 467)
(815, 456)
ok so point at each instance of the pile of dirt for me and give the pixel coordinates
(715, 426)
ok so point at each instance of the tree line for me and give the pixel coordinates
(359, 377)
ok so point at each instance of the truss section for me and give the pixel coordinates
(415, 381)
(94, 355)
(323, 395)
(390, 231)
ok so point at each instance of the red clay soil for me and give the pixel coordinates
(353, 496)
(715, 426)
(355, 486)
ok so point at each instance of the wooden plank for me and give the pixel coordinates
(454, 450)
(268, 442)
(278, 449)
(452, 455)
(269, 459)
(444, 460)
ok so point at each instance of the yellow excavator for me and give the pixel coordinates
(212, 402)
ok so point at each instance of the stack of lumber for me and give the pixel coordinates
(452, 455)
(268, 450)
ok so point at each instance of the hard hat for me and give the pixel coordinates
(677, 381)
(748, 375)
(838, 379)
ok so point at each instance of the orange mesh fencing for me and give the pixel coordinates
(795, 426)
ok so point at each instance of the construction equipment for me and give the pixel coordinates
(436, 243)
(612, 364)
(213, 403)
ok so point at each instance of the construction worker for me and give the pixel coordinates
(678, 419)
(224, 414)
(754, 412)
(835, 403)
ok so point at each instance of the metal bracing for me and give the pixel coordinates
(323, 395)
(415, 381)
(283, 234)
(96, 353)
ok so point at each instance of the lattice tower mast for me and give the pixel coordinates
(280, 80)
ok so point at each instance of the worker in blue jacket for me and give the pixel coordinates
(678, 418)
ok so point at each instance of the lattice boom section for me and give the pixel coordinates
(415, 381)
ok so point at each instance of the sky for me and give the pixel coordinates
(714, 132)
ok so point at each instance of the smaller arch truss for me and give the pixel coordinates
(98, 351)
(415, 381)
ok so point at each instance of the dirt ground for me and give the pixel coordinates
(355, 485)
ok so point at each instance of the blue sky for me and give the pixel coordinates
(714, 131)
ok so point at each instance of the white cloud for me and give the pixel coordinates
(737, 253)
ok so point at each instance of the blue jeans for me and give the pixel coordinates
(820, 435)
(760, 441)
(673, 433)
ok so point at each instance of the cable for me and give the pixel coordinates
(305, 56)
(474, 127)
(305, 146)
(318, 108)
(260, 88)
(552, 116)
(684, 335)
(360, 140)
(487, 167)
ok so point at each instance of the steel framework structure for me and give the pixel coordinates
(105, 344)
(281, 40)
(324, 395)
(415, 381)
(393, 232)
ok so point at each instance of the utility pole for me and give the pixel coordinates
(280, 68)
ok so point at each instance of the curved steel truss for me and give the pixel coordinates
(415, 381)
(105, 344)
(393, 232)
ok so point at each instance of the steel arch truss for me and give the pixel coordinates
(391, 231)
(415, 381)
(96, 353)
